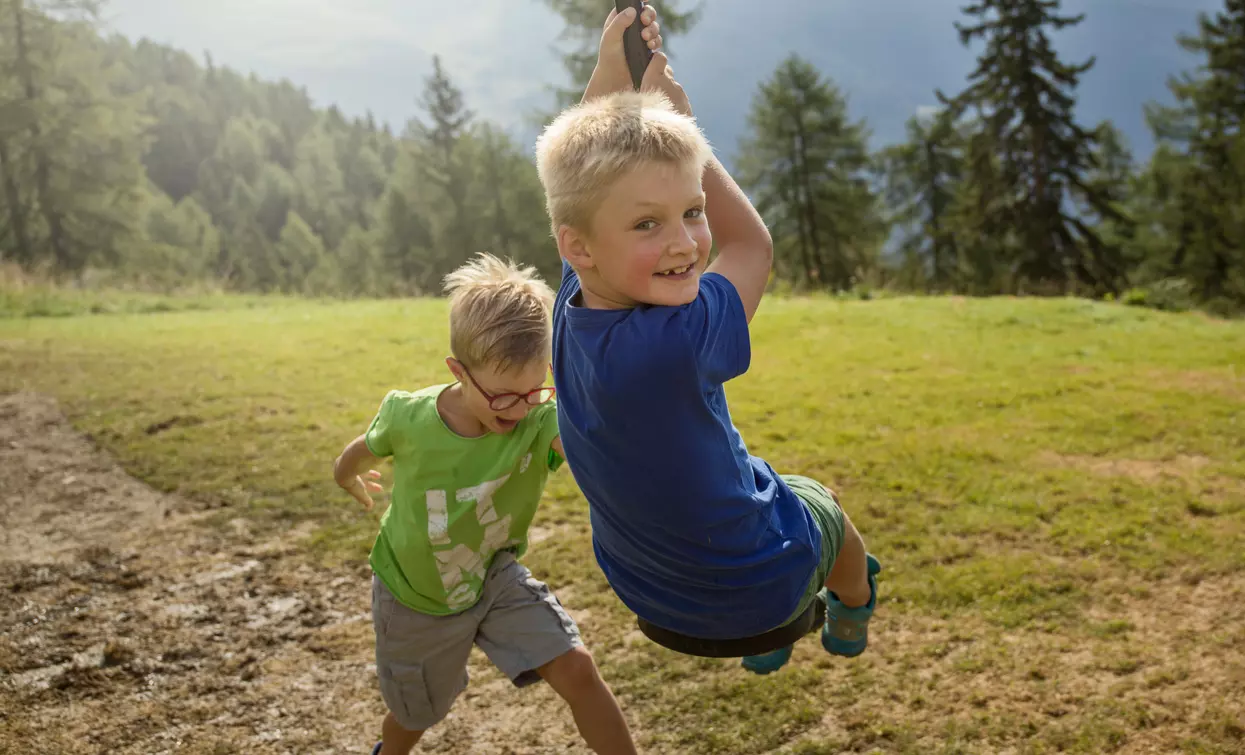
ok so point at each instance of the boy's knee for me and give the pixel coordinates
(571, 672)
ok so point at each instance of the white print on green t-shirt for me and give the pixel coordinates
(457, 563)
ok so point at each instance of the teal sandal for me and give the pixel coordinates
(846, 632)
(768, 663)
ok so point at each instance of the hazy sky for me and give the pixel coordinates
(374, 54)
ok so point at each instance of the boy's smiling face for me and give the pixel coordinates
(649, 240)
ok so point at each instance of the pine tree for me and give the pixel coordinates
(363, 172)
(807, 164)
(922, 176)
(1025, 97)
(405, 240)
(1203, 173)
(15, 117)
(300, 252)
(182, 133)
(1114, 178)
(321, 192)
(442, 165)
(181, 241)
(276, 192)
(358, 259)
(76, 167)
(510, 201)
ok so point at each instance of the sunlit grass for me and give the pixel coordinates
(1015, 464)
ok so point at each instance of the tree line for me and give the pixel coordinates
(138, 159)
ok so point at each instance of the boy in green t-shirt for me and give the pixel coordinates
(470, 460)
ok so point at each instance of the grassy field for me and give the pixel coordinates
(1056, 489)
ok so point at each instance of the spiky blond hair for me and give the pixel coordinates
(499, 314)
(591, 145)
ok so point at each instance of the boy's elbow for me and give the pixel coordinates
(338, 469)
(762, 252)
(761, 245)
(766, 249)
(344, 464)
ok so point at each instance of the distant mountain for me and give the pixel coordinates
(888, 57)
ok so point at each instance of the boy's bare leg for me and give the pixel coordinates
(849, 577)
(575, 678)
(397, 741)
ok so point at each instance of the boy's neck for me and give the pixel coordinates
(590, 299)
(455, 415)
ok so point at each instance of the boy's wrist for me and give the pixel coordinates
(682, 104)
(599, 86)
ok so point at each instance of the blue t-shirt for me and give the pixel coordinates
(693, 533)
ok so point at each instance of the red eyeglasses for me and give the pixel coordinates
(502, 401)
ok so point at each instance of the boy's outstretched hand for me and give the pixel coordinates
(611, 73)
(362, 489)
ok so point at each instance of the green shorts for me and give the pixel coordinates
(830, 521)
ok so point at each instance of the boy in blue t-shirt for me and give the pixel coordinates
(694, 534)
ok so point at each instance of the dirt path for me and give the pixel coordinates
(128, 626)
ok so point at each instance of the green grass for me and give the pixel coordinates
(58, 301)
(1029, 471)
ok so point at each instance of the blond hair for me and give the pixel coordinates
(591, 145)
(499, 314)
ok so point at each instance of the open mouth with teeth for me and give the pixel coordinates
(676, 273)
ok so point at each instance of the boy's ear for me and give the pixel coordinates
(456, 368)
(573, 247)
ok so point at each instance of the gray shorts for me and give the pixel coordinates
(422, 660)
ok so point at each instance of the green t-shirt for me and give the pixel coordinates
(456, 501)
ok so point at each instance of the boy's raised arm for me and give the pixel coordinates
(745, 249)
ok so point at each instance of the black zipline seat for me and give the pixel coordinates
(808, 622)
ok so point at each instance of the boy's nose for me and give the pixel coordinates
(684, 241)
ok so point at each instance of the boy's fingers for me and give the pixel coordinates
(619, 23)
(648, 15)
(655, 44)
(651, 31)
(656, 65)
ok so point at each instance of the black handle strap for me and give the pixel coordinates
(638, 54)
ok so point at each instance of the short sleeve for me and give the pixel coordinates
(548, 433)
(717, 327)
(379, 434)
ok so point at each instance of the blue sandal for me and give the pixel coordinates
(846, 632)
(768, 663)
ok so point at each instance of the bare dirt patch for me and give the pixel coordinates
(129, 625)
(1226, 384)
(1187, 468)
